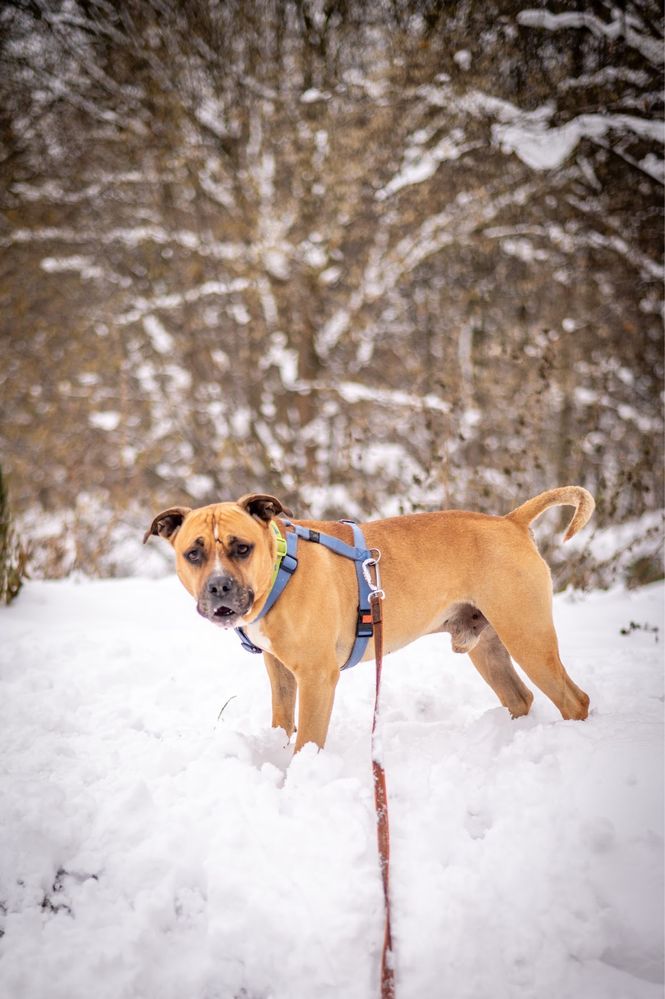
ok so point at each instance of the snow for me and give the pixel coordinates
(543, 148)
(283, 357)
(564, 239)
(107, 420)
(654, 167)
(276, 262)
(143, 307)
(625, 542)
(420, 164)
(463, 59)
(621, 26)
(527, 133)
(523, 249)
(356, 391)
(130, 237)
(81, 265)
(160, 338)
(313, 95)
(158, 839)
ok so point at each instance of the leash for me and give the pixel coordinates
(371, 568)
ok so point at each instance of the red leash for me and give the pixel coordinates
(381, 794)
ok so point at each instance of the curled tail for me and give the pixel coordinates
(575, 496)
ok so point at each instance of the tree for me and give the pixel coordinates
(13, 556)
(370, 256)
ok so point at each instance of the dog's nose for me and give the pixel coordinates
(220, 586)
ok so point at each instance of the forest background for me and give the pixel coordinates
(371, 257)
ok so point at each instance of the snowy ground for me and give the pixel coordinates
(151, 850)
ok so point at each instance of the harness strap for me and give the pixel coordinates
(358, 555)
(364, 628)
(288, 563)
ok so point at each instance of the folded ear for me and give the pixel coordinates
(262, 506)
(167, 523)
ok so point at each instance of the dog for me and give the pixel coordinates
(476, 576)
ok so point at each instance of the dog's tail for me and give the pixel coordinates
(575, 496)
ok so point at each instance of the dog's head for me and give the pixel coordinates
(225, 554)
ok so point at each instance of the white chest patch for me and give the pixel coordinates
(256, 634)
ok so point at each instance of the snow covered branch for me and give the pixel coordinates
(621, 26)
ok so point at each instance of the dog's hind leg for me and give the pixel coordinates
(536, 651)
(524, 625)
(283, 687)
(492, 661)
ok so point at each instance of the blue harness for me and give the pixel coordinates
(289, 563)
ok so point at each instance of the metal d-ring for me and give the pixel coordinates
(369, 565)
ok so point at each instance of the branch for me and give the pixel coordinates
(650, 48)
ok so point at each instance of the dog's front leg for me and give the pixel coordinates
(283, 687)
(316, 693)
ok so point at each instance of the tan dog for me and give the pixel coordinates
(476, 576)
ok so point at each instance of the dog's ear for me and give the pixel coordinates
(262, 506)
(167, 523)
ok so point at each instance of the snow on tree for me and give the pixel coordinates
(372, 257)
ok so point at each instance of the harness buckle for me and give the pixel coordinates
(364, 626)
(289, 564)
(246, 642)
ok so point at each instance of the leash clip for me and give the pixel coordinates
(372, 575)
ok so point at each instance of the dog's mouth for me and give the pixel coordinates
(224, 616)
(224, 613)
(228, 614)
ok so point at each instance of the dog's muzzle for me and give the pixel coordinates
(223, 600)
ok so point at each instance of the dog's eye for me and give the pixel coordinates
(194, 556)
(242, 550)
